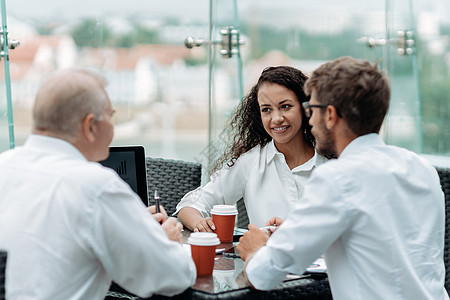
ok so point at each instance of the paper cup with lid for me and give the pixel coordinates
(203, 251)
(224, 217)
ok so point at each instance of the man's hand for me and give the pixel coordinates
(275, 221)
(173, 229)
(205, 224)
(160, 217)
(250, 243)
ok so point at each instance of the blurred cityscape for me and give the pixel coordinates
(160, 88)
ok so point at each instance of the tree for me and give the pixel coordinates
(91, 33)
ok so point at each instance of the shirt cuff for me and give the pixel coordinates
(191, 199)
(261, 272)
(199, 208)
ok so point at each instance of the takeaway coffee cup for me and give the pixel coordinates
(224, 217)
(203, 251)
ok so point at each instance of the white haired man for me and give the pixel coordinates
(70, 225)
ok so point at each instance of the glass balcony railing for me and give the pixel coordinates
(175, 100)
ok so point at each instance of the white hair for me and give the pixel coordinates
(66, 97)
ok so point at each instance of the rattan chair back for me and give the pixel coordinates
(444, 175)
(3, 258)
(172, 179)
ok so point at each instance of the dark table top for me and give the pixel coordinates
(228, 281)
(227, 274)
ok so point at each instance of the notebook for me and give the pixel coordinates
(129, 163)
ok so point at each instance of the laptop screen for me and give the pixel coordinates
(129, 163)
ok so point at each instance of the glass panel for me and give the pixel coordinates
(158, 87)
(308, 34)
(305, 35)
(6, 117)
(4, 135)
(403, 124)
(161, 89)
(433, 50)
(226, 71)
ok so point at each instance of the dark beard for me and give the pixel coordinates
(328, 155)
(328, 145)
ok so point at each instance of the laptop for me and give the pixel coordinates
(129, 163)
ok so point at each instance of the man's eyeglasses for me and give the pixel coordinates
(307, 108)
(308, 111)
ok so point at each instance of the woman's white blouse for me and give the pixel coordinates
(260, 176)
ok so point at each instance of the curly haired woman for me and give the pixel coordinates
(269, 159)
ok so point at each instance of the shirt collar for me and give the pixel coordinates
(53, 145)
(271, 151)
(315, 161)
(361, 142)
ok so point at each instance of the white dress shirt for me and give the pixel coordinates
(262, 177)
(70, 226)
(378, 212)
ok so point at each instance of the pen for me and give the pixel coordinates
(156, 197)
(267, 228)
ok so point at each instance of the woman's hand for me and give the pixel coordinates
(205, 225)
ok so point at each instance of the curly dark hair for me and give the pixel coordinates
(245, 129)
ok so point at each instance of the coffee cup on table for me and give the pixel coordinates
(203, 251)
(224, 217)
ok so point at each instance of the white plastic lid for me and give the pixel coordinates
(203, 239)
(224, 210)
(224, 272)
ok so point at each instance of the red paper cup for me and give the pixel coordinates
(203, 251)
(224, 227)
(224, 217)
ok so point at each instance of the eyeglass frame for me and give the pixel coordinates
(307, 108)
(308, 111)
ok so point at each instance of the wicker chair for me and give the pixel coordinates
(172, 179)
(444, 175)
(242, 217)
(3, 256)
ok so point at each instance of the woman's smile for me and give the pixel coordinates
(281, 129)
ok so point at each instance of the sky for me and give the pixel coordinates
(76, 8)
(188, 10)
